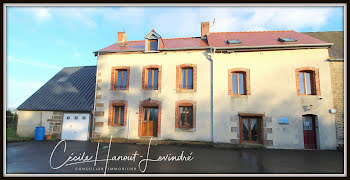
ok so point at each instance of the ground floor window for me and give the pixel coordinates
(250, 129)
(117, 113)
(118, 116)
(185, 114)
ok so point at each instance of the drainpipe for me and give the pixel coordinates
(93, 106)
(212, 51)
(128, 123)
(41, 118)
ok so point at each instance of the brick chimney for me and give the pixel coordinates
(204, 28)
(121, 37)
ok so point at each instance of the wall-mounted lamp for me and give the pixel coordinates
(332, 111)
(307, 107)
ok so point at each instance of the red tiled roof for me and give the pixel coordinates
(259, 38)
(218, 39)
(131, 45)
(184, 42)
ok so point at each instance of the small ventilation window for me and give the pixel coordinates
(63, 79)
(287, 40)
(233, 42)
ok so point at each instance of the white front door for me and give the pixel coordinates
(75, 126)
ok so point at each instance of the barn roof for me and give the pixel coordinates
(71, 89)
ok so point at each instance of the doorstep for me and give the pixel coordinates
(240, 146)
(145, 141)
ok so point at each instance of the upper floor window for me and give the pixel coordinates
(120, 78)
(307, 81)
(186, 77)
(238, 81)
(151, 77)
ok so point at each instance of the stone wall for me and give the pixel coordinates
(55, 124)
(337, 78)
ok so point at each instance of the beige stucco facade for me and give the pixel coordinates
(28, 120)
(273, 93)
(167, 94)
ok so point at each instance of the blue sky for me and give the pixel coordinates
(43, 40)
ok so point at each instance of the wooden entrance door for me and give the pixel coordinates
(309, 132)
(250, 129)
(150, 121)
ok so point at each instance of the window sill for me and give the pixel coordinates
(185, 90)
(119, 90)
(308, 95)
(239, 95)
(115, 125)
(185, 129)
(151, 51)
(151, 90)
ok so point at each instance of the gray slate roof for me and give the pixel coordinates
(336, 37)
(71, 89)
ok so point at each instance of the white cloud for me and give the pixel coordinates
(75, 16)
(33, 63)
(76, 54)
(183, 23)
(60, 43)
(41, 14)
(265, 18)
(17, 43)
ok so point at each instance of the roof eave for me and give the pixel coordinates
(276, 46)
(160, 49)
(64, 110)
(224, 48)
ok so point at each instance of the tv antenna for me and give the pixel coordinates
(213, 23)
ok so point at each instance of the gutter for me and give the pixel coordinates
(276, 46)
(335, 60)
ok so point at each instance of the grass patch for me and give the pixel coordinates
(11, 135)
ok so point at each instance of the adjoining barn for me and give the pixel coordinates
(63, 105)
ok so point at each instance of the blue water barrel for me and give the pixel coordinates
(39, 133)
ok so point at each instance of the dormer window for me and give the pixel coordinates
(152, 42)
(287, 40)
(233, 42)
(153, 45)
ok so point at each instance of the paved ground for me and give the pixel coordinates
(34, 156)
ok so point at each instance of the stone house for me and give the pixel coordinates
(267, 88)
